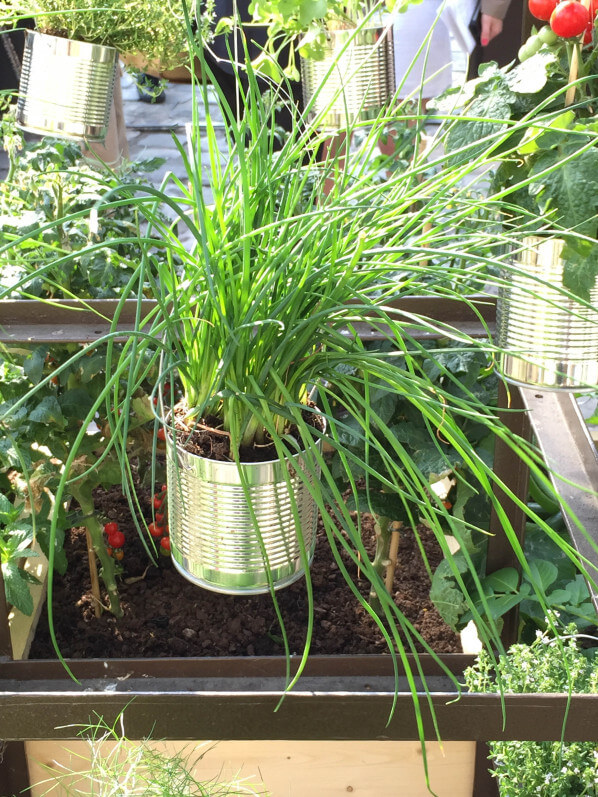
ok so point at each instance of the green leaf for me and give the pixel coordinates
(580, 269)
(544, 573)
(48, 411)
(485, 115)
(504, 580)
(386, 505)
(75, 403)
(33, 366)
(499, 605)
(446, 595)
(16, 588)
(6, 510)
(569, 189)
(532, 76)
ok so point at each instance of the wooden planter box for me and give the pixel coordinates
(277, 767)
(349, 706)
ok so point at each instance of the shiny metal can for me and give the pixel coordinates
(548, 339)
(236, 529)
(66, 87)
(354, 81)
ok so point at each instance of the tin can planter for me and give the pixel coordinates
(549, 340)
(66, 87)
(212, 518)
(354, 81)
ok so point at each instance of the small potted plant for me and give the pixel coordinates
(544, 166)
(70, 60)
(346, 53)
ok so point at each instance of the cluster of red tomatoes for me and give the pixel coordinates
(568, 19)
(115, 539)
(159, 528)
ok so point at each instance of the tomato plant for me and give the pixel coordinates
(569, 19)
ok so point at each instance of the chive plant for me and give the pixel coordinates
(262, 284)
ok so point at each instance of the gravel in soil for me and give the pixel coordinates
(165, 615)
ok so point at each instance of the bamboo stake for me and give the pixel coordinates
(93, 573)
(573, 72)
(393, 554)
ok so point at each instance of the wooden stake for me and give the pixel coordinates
(570, 95)
(393, 555)
(93, 573)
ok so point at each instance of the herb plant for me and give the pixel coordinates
(150, 28)
(304, 25)
(122, 768)
(550, 769)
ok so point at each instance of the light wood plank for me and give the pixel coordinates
(293, 769)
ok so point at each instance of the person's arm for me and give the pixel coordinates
(493, 13)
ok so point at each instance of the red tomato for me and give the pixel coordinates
(155, 530)
(570, 18)
(541, 9)
(118, 555)
(165, 544)
(157, 501)
(111, 527)
(159, 518)
(164, 488)
(109, 551)
(161, 434)
(116, 539)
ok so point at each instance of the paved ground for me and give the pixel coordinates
(151, 126)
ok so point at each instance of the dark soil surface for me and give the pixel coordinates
(165, 615)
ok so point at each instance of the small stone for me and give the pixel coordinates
(189, 633)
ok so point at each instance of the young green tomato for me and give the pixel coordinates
(547, 35)
(530, 47)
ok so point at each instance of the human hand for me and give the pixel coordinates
(490, 28)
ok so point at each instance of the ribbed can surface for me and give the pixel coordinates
(551, 340)
(66, 87)
(214, 542)
(354, 81)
